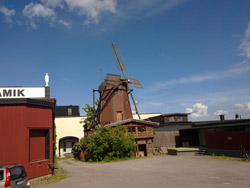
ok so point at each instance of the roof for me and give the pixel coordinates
(127, 121)
(171, 114)
(27, 101)
(62, 111)
(176, 114)
(219, 124)
(176, 123)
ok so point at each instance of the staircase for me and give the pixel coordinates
(202, 151)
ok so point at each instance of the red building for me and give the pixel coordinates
(114, 100)
(26, 134)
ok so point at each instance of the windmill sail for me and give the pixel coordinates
(118, 57)
(135, 83)
(122, 66)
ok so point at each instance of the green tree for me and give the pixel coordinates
(90, 113)
(108, 144)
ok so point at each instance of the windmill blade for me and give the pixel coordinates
(122, 66)
(135, 83)
(118, 57)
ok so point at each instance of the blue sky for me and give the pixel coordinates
(190, 55)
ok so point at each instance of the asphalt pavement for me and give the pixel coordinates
(157, 172)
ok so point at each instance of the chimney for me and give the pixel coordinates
(236, 116)
(222, 117)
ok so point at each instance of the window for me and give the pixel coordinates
(119, 116)
(69, 111)
(171, 118)
(39, 145)
(131, 130)
(1, 174)
(17, 172)
(64, 147)
(142, 129)
(179, 118)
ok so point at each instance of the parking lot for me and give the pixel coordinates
(158, 172)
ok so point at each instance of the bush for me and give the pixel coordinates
(108, 144)
(76, 149)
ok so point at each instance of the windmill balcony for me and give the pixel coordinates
(141, 132)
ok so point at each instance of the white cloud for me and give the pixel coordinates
(245, 44)
(64, 23)
(163, 6)
(220, 112)
(243, 107)
(92, 9)
(53, 3)
(37, 10)
(34, 11)
(7, 13)
(198, 110)
(236, 70)
(189, 110)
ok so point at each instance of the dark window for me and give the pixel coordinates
(179, 118)
(133, 129)
(171, 118)
(64, 147)
(130, 129)
(69, 111)
(17, 172)
(142, 129)
(39, 145)
(1, 174)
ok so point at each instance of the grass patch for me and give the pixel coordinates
(63, 158)
(228, 158)
(111, 161)
(59, 174)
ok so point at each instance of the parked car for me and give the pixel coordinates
(13, 176)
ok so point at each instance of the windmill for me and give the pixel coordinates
(122, 66)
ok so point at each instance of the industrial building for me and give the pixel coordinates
(27, 128)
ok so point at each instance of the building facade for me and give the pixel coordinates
(26, 134)
(167, 134)
(69, 129)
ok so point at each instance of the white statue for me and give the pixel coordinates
(47, 79)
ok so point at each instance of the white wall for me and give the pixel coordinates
(68, 126)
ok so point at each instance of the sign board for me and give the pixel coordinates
(22, 92)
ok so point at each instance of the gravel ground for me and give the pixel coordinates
(157, 172)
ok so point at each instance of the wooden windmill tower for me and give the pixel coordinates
(114, 102)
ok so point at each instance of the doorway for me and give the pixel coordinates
(142, 150)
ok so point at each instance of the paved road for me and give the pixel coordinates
(158, 172)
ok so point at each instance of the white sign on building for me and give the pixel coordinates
(22, 92)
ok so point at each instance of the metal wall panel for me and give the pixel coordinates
(228, 140)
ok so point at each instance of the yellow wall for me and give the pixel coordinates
(68, 126)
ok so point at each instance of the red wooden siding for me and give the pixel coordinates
(228, 140)
(20, 141)
(37, 138)
(119, 102)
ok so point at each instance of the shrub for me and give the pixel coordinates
(108, 144)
